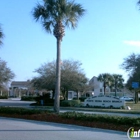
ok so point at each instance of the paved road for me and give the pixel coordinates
(19, 129)
(14, 102)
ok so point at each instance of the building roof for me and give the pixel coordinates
(20, 83)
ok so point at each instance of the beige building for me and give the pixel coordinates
(18, 87)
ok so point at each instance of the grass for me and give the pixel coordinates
(134, 106)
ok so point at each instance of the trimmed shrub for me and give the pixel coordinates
(82, 99)
(101, 118)
(27, 98)
(20, 111)
(45, 100)
(74, 98)
(70, 103)
(4, 97)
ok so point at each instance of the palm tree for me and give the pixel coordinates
(106, 78)
(117, 82)
(55, 15)
(1, 36)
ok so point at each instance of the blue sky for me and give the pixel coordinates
(109, 32)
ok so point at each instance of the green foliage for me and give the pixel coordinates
(20, 111)
(72, 77)
(74, 98)
(82, 99)
(101, 118)
(111, 80)
(52, 12)
(4, 97)
(70, 103)
(131, 64)
(28, 98)
(46, 100)
(5, 73)
(106, 78)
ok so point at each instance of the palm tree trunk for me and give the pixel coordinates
(104, 90)
(115, 92)
(58, 78)
(77, 95)
(115, 89)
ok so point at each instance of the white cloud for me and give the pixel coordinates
(132, 43)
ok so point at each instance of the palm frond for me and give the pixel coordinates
(64, 11)
(39, 12)
(48, 26)
(73, 13)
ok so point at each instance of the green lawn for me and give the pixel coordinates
(134, 106)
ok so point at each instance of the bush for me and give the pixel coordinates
(4, 97)
(74, 98)
(70, 103)
(101, 118)
(27, 98)
(46, 100)
(20, 111)
(82, 99)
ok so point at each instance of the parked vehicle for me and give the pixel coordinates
(104, 101)
(127, 98)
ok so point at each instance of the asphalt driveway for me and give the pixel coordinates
(20, 129)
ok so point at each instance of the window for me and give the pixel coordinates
(106, 101)
(98, 100)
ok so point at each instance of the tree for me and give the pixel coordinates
(1, 36)
(73, 77)
(46, 78)
(117, 82)
(106, 78)
(5, 73)
(131, 64)
(55, 15)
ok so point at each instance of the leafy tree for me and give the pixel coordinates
(5, 73)
(106, 78)
(131, 64)
(117, 82)
(46, 78)
(55, 15)
(73, 77)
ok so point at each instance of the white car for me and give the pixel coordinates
(127, 98)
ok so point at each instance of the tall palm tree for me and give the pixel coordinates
(1, 36)
(117, 82)
(106, 79)
(55, 15)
